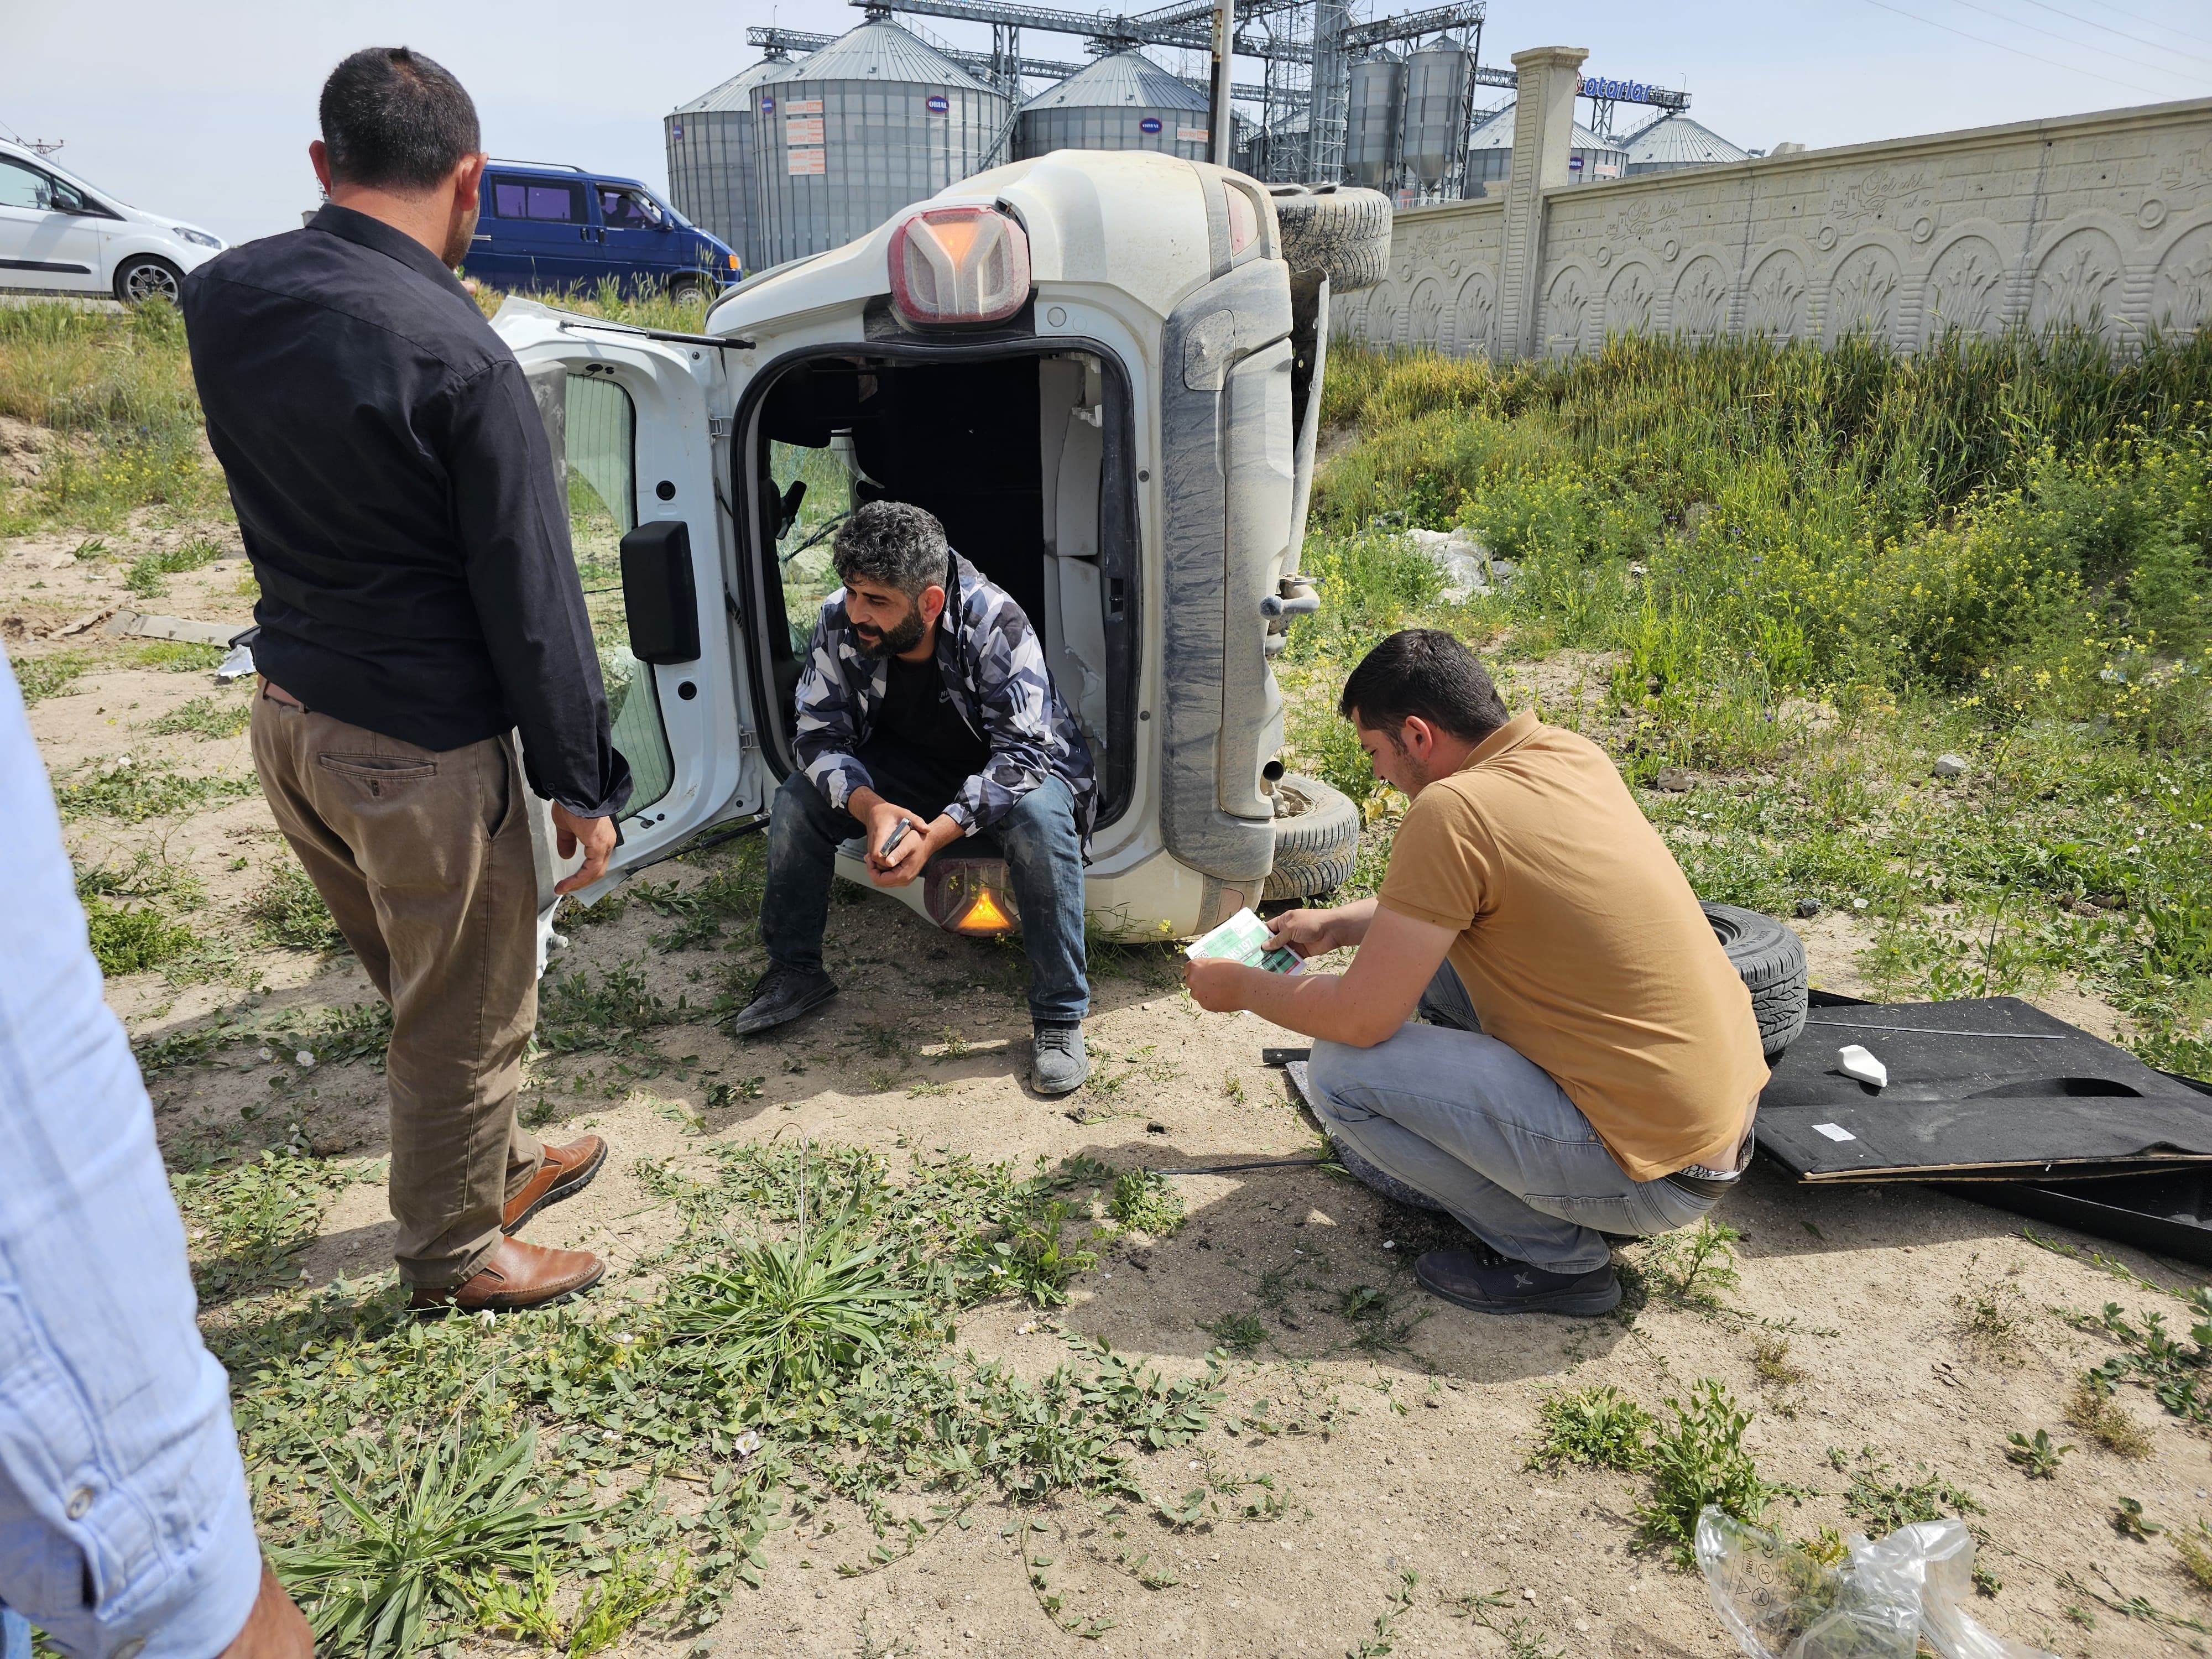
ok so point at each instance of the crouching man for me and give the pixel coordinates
(927, 714)
(1590, 1064)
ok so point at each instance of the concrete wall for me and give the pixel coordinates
(2105, 221)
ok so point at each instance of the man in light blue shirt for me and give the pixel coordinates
(124, 1530)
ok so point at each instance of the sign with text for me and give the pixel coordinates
(806, 163)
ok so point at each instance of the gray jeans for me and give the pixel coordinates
(1487, 1135)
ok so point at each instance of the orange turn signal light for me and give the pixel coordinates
(983, 916)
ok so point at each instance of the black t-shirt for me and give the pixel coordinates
(919, 718)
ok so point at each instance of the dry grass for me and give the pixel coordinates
(2097, 1414)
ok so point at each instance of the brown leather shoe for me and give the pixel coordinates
(516, 1275)
(565, 1171)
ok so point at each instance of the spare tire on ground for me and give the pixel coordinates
(1341, 229)
(1770, 958)
(1316, 839)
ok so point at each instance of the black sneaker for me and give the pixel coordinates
(1477, 1276)
(1058, 1063)
(782, 995)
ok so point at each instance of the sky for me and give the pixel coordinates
(205, 111)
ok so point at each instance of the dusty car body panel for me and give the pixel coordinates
(1129, 453)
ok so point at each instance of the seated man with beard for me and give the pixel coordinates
(927, 703)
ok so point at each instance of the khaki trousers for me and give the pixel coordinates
(423, 856)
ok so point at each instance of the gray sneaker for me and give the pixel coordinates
(1060, 1063)
(782, 995)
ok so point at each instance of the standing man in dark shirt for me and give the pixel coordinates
(419, 600)
(927, 703)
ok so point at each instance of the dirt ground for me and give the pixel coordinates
(1420, 1464)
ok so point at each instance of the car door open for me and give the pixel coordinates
(628, 418)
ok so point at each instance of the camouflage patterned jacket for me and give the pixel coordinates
(994, 663)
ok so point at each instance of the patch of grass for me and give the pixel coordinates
(1770, 1362)
(1697, 1458)
(795, 1315)
(181, 657)
(287, 911)
(249, 1220)
(130, 940)
(1146, 1201)
(40, 677)
(1028, 1256)
(2092, 1411)
(147, 577)
(1599, 1427)
(333, 1036)
(1887, 1504)
(730, 894)
(580, 1014)
(132, 791)
(1240, 1334)
(461, 1509)
(2038, 1459)
(1990, 1322)
(206, 717)
(633, 1587)
(2194, 1549)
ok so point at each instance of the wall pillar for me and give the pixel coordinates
(1543, 133)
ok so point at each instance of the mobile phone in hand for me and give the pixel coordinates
(896, 836)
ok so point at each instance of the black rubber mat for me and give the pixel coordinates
(1984, 1089)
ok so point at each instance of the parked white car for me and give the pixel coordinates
(1102, 371)
(61, 235)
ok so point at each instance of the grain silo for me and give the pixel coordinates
(1490, 153)
(875, 120)
(1123, 101)
(710, 158)
(1374, 106)
(1674, 141)
(1437, 80)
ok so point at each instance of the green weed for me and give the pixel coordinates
(149, 571)
(1598, 1426)
(1695, 1267)
(1699, 1458)
(1885, 1505)
(130, 940)
(1145, 1201)
(180, 656)
(2038, 1459)
(2130, 1521)
(40, 677)
(252, 1218)
(1028, 1256)
(288, 911)
(2173, 1369)
(1240, 1334)
(578, 1014)
(205, 717)
(730, 893)
(132, 791)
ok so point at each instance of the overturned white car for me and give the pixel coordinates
(1100, 370)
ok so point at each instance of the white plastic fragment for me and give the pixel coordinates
(1858, 1063)
(1835, 1132)
(237, 666)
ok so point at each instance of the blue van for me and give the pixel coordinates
(547, 227)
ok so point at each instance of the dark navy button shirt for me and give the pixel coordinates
(395, 491)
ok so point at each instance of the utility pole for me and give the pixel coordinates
(1220, 147)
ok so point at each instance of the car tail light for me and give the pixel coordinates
(971, 896)
(959, 265)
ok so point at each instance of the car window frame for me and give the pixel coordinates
(527, 182)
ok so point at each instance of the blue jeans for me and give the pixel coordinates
(1467, 1122)
(14, 1636)
(1038, 840)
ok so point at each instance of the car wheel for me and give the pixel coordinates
(1340, 229)
(143, 276)
(1770, 958)
(1316, 839)
(685, 288)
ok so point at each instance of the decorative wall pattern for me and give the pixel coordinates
(2103, 221)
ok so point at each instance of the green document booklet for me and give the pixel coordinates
(1244, 938)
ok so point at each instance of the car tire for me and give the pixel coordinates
(686, 288)
(1342, 230)
(147, 277)
(1316, 839)
(1770, 958)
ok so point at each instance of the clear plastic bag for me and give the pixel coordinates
(1780, 1602)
